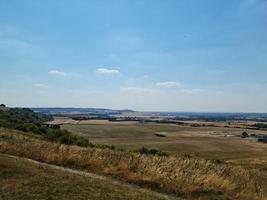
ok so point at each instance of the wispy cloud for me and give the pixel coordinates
(145, 76)
(136, 89)
(168, 84)
(55, 72)
(191, 91)
(107, 71)
(40, 86)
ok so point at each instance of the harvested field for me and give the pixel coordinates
(208, 142)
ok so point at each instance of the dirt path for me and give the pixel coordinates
(94, 176)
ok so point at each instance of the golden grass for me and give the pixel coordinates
(194, 177)
(24, 180)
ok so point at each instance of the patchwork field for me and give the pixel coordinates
(208, 142)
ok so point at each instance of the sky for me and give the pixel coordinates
(146, 55)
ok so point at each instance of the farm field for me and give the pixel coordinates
(208, 142)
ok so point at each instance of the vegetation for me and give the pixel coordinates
(28, 121)
(24, 180)
(146, 151)
(184, 176)
(260, 126)
(244, 134)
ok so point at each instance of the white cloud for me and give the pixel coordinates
(135, 89)
(168, 84)
(107, 71)
(55, 72)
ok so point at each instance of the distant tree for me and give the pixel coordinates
(244, 134)
(2, 105)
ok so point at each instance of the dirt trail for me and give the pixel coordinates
(94, 176)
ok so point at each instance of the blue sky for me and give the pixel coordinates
(171, 55)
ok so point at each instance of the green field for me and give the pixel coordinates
(207, 142)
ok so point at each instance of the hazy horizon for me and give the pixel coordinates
(151, 111)
(172, 56)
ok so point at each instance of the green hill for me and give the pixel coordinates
(26, 120)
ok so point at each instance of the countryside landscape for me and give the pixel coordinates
(171, 159)
(133, 100)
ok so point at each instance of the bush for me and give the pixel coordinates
(218, 161)
(22, 128)
(83, 142)
(105, 146)
(244, 134)
(146, 151)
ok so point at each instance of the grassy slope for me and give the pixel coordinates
(21, 179)
(26, 120)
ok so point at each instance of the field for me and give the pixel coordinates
(222, 143)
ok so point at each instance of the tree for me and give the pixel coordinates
(2, 105)
(244, 134)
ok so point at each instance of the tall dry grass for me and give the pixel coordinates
(183, 176)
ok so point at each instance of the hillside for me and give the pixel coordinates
(21, 118)
(25, 180)
(24, 119)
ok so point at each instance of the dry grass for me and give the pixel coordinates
(24, 180)
(183, 176)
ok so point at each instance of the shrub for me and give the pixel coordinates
(105, 146)
(146, 151)
(81, 141)
(244, 134)
(218, 161)
(22, 128)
